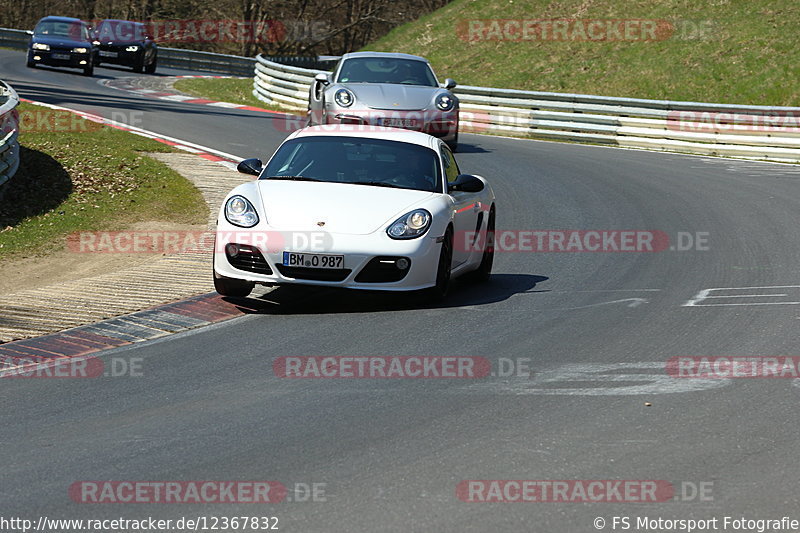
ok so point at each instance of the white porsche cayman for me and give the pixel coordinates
(362, 207)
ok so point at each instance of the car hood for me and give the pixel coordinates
(393, 96)
(63, 42)
(343, 208)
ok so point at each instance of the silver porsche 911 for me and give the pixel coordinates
(383, 89)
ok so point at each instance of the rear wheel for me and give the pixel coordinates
(232, 287)
(438, 292)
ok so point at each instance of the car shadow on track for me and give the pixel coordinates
(466, 148)
(70, 71)
(300, 300)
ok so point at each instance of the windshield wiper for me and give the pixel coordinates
(293, 178)
(378, 184)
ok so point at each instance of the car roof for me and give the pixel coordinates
(387, 55)
(60, 19)
(368, 132)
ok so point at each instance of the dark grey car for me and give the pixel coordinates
(385, 89)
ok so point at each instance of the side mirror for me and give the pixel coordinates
(449, 83)
(250, 166)
(466, 183)
(322, 78)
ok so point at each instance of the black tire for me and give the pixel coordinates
(484, 271)
(88, 70)
(453, 144)
(31, 64)
(235, 288)
(151, 68)
(438, 292)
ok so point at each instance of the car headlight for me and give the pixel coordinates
(445, 102)
(80, 50)
(344, 98)
(132, 49)
(240, 212)
(40, 46)
(410, 225)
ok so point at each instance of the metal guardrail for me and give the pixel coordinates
(756, 132)
(205, 61)
(283, 85)
(9, 133)
(17, 39)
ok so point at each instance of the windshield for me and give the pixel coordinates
(69, 30)
(383, 70)
(373, 162)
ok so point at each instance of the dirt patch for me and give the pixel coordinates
(25, 273)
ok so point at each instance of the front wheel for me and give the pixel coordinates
(453, 145)
(438, 292)
(151, 68)
(235, 288)
(88, 70)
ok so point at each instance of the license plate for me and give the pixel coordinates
(399, 122)
(104, 53)
(312, 260)
(61, 56)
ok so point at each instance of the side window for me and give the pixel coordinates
(450, 166)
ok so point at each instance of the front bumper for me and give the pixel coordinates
(442, 124)
(60, 58)
(364, 256)
(119, 56)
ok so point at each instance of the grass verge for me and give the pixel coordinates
(89, 178)
(722, 51)
(233, 90)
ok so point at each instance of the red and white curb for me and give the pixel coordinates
(76, 343)
(128, 85)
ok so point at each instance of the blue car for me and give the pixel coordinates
(62, 42)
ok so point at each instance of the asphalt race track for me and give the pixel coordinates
(596, 329)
